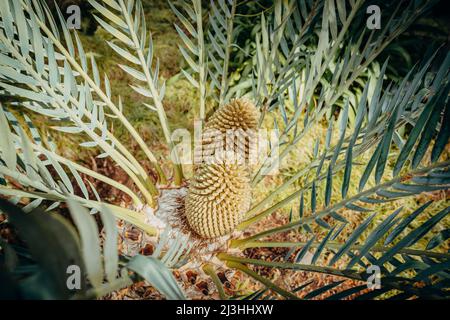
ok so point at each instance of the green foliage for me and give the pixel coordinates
(305, 63)
(42, 268)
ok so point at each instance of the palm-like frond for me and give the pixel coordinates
(30, 161)
(386, 114)
(128, 26)
(197, 48)
(428, 267)
(221, 27)
(310, 60)
(56, 85)
(41, 270)
(315, 77)
(425, 110)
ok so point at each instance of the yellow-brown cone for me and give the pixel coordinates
(238, 114)
(238, 118)
(220, 193)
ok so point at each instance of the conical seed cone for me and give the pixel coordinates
(238, 114)
(218, 196)
(232, 128)
(220, 193)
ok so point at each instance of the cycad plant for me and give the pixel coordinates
(55, 249)
(310, 64)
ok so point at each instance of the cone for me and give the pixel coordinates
(220, 193)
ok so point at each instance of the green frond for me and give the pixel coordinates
(307, 64)
(432, 268)
(130, 19)
(65, 92)
(54, 248)
(191, 17)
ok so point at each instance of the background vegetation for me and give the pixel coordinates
(181, 103)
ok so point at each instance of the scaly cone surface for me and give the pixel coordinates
(232, 128)
(217, 198)
(220, 193)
